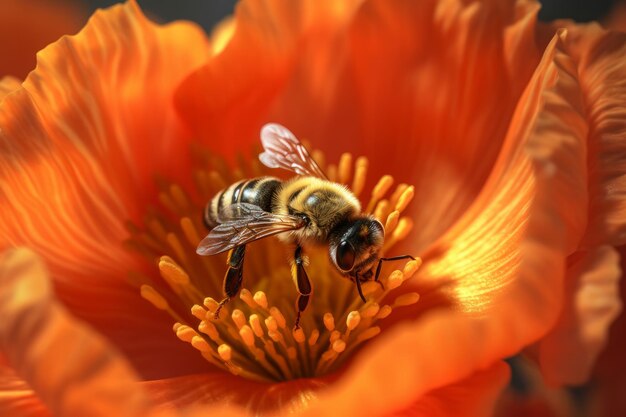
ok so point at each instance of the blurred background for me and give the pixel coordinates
(208, 12)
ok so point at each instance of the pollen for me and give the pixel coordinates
(254, 336)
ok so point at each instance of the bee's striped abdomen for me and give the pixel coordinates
(258, 191)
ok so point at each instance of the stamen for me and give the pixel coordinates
(254, 335)
(247, 335)
(406, 299)
(154, 297)
(360, 172)
(354, 318)
(261, 299)
(329, 322)
(339, 345)
(225, 352)
(345, 165)
(392, 221)
(238, 318)
(200, 344)
(405, 198)
(255, 323)
(246, 296)
(381, 188)
(198, 312)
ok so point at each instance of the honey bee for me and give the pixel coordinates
(305, 210)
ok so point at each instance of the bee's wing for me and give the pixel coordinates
(244, 223)
(284, 150)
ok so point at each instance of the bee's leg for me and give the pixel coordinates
(233, 277)
(302, 284)
(394, 258)
(357, 279)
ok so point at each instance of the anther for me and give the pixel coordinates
(278, 316)
(392, 221)
(405, 198)
(151, 295)
(411, 268)
(329, 322)
(225, 352)
(298, 335)
(185, 333)
(271, 324)
(210, 330)
(395, 280)
(370, 310)
(381, 188)
(190, 231)
(367, 334)
(199, 343)
(360, 172)
(238, 318)
(315, 334)
(171, 271)
(211, 304)
(247, 335)
(275, 335)
(353, 320)
(381, 210)
(345, 163)
(339, 345)
(255, 324)
(247, 298)
(406, 299)
(198, 312)
(261, 299)
(384, 312)
(402, 230)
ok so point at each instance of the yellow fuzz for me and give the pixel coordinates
(254, 335)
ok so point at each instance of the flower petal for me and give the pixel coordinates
(17, 397)
(8, 85)
(493, 283)
(80, 144)
(210, 389)
(609, 377)
(530, 207)
(601, 61)
(473, 397)
(72, 369)
(404, 81)
(568, 353)
(227, 100)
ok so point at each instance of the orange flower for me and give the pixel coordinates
(511, 133)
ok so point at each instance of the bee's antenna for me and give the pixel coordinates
(394, 258)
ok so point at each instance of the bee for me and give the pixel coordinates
(308, 209)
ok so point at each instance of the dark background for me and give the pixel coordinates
(209, 12)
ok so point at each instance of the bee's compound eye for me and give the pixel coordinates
(345, 256)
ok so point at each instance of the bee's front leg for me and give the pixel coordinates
(233, 277)
(302, 282)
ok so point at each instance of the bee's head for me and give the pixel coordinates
(354, 245)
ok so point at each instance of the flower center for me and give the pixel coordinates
(254, 336)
